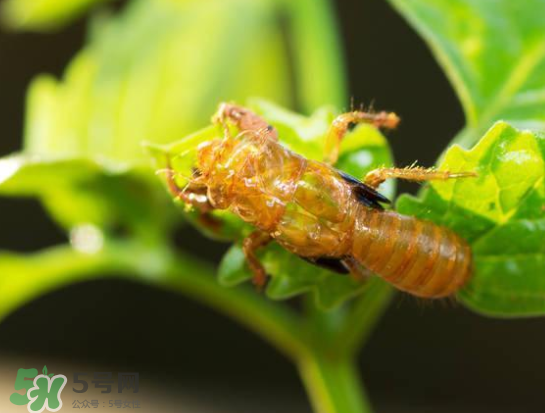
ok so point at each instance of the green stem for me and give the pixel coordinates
(52, 268)
(177, 271)
(363, 316)
(319, 61)
(331, 380)
(328, 371)
(333, 384)
(277, 324)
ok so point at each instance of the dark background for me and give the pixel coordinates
(423, 357)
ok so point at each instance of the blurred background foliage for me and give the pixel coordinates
(152, 73)
(156, 73)
(42, 16)
(155, 70)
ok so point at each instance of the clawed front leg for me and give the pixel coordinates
(254, 241)
(191, 195)
(342, 124)
(194, 196)
(413, 173)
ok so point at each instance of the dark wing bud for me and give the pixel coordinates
(329, 263)
(365, 194)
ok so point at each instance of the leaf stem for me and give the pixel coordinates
(177, 271)
(319, 62)
(329, 372)
(333, 384)
(54, 267)
(363, 316)
(277, 324)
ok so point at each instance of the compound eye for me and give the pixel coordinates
(237, 113)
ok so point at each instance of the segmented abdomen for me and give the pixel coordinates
(415, 256)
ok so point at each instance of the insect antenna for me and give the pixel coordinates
(171, 174)
(181, 155)
(245, 132)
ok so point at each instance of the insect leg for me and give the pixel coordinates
(411, 173)
(196, 197)
(342, 124)
(220, 118)
(255, 240)
(357, 271)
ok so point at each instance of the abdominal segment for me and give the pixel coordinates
(415, 256)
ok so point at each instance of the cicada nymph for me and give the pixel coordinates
(321, 214)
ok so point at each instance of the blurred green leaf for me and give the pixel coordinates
(501, 213)
(155, 72)
(316, 38)
(290, 276)
(80, 191)
(26, 276)
(362, 150)
(494, 54)
(43, 15)
(157, 266)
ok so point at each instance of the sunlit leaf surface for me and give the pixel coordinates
(43, 15)
(155, 72)
(501, 213)
(493, 53)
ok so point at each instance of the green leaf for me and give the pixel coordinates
(501, 213)
(24, 277)
(42, 15)
(362, 150)
(290, 276)
(313, 22)
(82, 192)
(156, 72)
(44, 371)
(494, 54)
